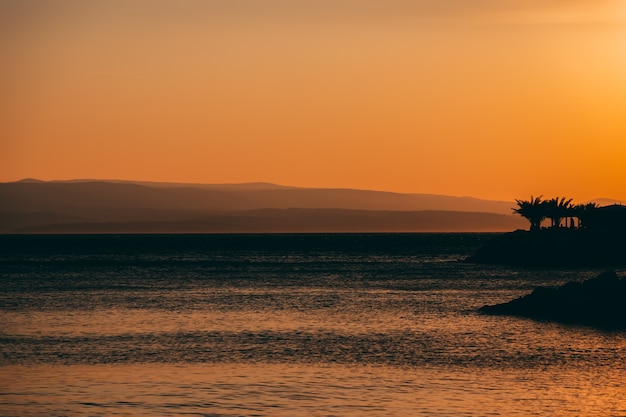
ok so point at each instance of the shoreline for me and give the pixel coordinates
(599, 302)
(554, 248)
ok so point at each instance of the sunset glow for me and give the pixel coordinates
(492, 99)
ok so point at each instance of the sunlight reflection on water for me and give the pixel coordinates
(296, 390)
(170, 331)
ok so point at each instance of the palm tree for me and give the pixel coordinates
(584, 212)
(556, 209)
(533, 210)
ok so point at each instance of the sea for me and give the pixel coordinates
(288, 325)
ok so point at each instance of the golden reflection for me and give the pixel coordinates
(143, 390)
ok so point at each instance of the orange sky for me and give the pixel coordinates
(490, 98)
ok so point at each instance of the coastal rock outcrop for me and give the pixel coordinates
(598, 302)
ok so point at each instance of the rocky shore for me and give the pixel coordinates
(598, 302)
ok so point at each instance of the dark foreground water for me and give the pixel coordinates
(287, 325)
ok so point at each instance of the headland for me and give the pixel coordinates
(554, 248)
(583, 235)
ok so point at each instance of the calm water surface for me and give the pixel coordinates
(294, 325)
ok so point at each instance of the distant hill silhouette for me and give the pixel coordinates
(289, 220)
(605, 201)
(99, 206)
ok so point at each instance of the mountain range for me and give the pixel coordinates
(112, 206)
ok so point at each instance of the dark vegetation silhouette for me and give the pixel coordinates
(578, 235)
(557, 209)
(584, 212)
(533, 210)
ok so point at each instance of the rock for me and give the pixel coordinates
(598, 302)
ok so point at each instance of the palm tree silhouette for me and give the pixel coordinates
(557, 209)
(534, 210)
(584, 212)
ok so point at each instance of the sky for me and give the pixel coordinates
(496, 99)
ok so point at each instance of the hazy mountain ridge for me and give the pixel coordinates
(248, 196)
(117, 206)
(298, 220)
